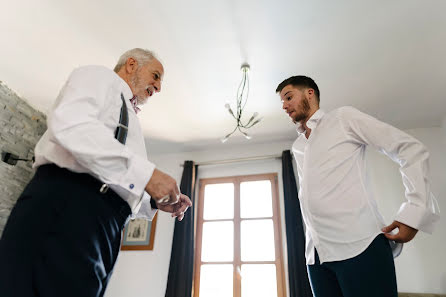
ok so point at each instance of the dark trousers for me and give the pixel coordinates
(370, 274)
(62, 238)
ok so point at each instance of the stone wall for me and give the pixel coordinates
(21, 126)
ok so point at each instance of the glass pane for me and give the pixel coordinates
(218, 201)
(217, 244)
(257, 240)
(255, 199)
(216, 280)
(259, 280)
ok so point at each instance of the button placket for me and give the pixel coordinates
(305, 165)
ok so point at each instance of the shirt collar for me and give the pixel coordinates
(126, 91)
(128, 95)
(312, 122)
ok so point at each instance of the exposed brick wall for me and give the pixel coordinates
(21, 126)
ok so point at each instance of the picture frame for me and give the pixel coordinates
(139, 234)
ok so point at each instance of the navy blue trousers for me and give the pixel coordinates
(370, 274)
(62, 238)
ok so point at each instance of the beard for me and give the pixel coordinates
(303, 111)
(140, 90)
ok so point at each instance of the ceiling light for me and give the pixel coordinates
(242, 98)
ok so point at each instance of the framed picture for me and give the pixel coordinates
(139, 234)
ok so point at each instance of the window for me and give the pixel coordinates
(239, 246)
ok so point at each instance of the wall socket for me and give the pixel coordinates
(9, 158)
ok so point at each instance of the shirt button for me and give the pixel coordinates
(131, 186)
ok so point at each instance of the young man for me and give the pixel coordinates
(63, 235)
(347, 243)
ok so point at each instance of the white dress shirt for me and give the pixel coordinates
(80, 136)
(339, 211)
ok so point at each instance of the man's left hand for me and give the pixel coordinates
(177, 209)
(405, 233)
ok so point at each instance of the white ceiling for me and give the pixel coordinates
(386, 58)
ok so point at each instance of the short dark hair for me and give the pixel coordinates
(300, 81)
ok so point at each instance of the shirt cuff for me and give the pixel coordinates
(418, 217)
(139, 172)
(146, 210)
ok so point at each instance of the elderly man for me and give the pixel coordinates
(347, 242)
(63, 235)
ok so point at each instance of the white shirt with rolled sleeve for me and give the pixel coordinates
(340, 213)
(80, 136)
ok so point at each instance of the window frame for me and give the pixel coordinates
(237, 262)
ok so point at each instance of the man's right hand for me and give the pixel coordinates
(405, 232)
(163, 188)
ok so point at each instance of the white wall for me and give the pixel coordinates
(443, 125)
(144, 273)
(420, 268)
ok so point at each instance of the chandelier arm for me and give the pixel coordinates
(249, 121)
(245, 134)
(231, 113)
(255, 122)
(235, 129)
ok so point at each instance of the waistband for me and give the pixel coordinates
(114, 200)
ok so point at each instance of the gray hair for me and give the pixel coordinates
(142, 56)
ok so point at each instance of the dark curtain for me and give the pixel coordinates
(297, 268)
(181, 269)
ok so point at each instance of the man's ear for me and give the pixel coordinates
(131, 65)
(312, 96)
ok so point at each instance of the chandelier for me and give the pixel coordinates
(242, 98)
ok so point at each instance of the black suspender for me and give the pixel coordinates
(121, 136)
(123, 126)
(121, 132)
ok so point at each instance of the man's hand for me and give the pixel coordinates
(177, 209)
(405, 233)
(163, 188)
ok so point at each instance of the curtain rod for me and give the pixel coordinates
(219, 162)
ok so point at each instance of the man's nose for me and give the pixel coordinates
(284, 105)
(157, 87)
